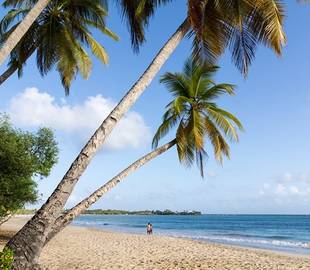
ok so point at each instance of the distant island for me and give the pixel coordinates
(166, 212)
(144, 212)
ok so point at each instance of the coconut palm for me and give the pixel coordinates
(197, 120)
(213, 26)
(17, 33)
(195, 115)
(58, 36)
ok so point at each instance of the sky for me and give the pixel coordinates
(268, 171)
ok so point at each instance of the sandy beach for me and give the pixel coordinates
(84, 248)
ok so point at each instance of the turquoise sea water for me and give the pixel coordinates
(290, 233)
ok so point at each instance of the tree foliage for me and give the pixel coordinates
(59, 36)
(196, 116)
(239, 25)
(6, 259)
(24, 157)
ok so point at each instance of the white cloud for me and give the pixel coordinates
(266, 186)
(287, 177)
(288, 186)
(33, 108)
(293, 177)
(280, 189)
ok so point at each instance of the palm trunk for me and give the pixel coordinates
(6, 74)
(5, 219)
(71, 214)
(22, 29)
(27, 244)
(13, 67)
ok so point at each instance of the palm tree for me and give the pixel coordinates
(213, 25)
(197, 119)
(196, 116)
(66, 218)
(17, 33)
(58, 36)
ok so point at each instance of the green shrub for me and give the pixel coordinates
(6, 259)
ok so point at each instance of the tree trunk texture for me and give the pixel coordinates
(28, 243)
(66, 218)
(12, 68)
(22, 29)
(6, 74)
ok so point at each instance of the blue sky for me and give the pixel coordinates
(269, 168)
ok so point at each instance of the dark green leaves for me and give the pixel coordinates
(23, 156)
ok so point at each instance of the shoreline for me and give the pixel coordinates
(283, 246)
(207, 242)
(85, 248)
(201, 241)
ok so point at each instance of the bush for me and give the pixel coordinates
(6, 259)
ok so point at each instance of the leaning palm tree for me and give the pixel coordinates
(213, 26)
(21, 29)
(57, 36)
(194, 115)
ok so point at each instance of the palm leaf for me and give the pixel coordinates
(220, 146)
(10, 17)
(97, 49)
(223, 123)
(105, 30)
(217, 90)
(164, 128)
(195, 112)
(176, 83)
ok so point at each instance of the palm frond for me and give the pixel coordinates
(238, 24)
(137, 15)
(219, 89)
(229, 116)
(218, 142)
(10, 17)
(176, 83)
(196, 114)
(105, 30)
(267, 22)
(164, 128)
(223, 123)
(61, 33)
(97, 49)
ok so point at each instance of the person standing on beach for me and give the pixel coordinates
(149, 228)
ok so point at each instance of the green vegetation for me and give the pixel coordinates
(23, 158)
(25, 211)
(119, 212)
(6, 259)
(144, 212)
(196, 116)
(59, 32)
(58, 36)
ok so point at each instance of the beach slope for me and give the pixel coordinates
(84, 248)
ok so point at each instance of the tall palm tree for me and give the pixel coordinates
(57, 36)
(197, 120)
(213, 26)
(17, 33)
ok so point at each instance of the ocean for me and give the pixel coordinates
(288, 233)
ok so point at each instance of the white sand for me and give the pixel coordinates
(83, 248)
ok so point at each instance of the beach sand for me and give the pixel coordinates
(84, 248)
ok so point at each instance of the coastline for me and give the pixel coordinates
(90, 248)
(207, 242)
